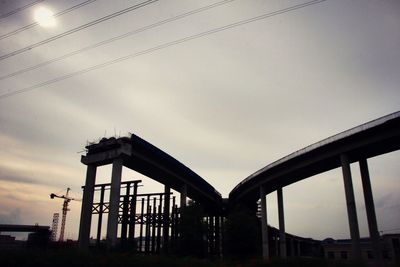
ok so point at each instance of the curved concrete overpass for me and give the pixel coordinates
(357, 144)
(145, 158)
(141, 156)
(365, 141)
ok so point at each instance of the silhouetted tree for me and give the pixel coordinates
(192, 231)
(242, 233)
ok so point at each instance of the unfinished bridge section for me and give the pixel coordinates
(158, 214)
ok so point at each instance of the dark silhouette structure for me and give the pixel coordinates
(341, 249)
(158, 217)
(146, 211)
(355, 145)
(39, 236)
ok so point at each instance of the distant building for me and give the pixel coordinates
(9, 242)
(341, 249)
(38, 235)
(6, 240)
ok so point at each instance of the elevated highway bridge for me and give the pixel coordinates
(139, 155)
(355, 145)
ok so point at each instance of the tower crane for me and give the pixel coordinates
(67, 199)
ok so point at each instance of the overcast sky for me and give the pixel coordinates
(225, 105)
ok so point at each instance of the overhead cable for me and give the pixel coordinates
(113, 39)
(2, 16)
(34, 24)
(162, 46)
(79, 28)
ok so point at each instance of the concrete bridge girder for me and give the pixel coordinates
(352, 214)
(356, 145)
(122, 152)
(371, 139)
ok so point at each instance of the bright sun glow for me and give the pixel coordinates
(45, 17)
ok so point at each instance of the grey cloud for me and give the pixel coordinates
(10, 176)
(17, 178)
(225, 105)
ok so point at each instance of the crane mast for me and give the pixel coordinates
(54, 226)
(64, 215)
(65, 209)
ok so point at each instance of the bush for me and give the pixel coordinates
(193, 231)
(242, 233)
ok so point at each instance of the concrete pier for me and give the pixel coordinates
(138, 155)
(282, 235)
(370, 208)
(264, 224)
(87, 203)
(112, 224)
(351, 207)
(100, 218)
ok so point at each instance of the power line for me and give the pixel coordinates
(162, 46)
(34, 24)
(19, 9)
(79, 28)
(87, 48)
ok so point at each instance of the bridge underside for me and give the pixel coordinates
(139, 155)
(355, 145)
(372, 142)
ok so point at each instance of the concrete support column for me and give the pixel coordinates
(282, 234)
(351, 208)
(370, 208)
(100, 220)
(183, 195)
(166, 218)
(112, 224)
(86, 210)
(264, 224)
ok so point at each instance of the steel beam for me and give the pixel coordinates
(159, 225)
(147, 232)
(132, 214)
(153, 226)
(141, 226)
(100, 219)
(264, 224)
(124, 222)
(166, 219)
